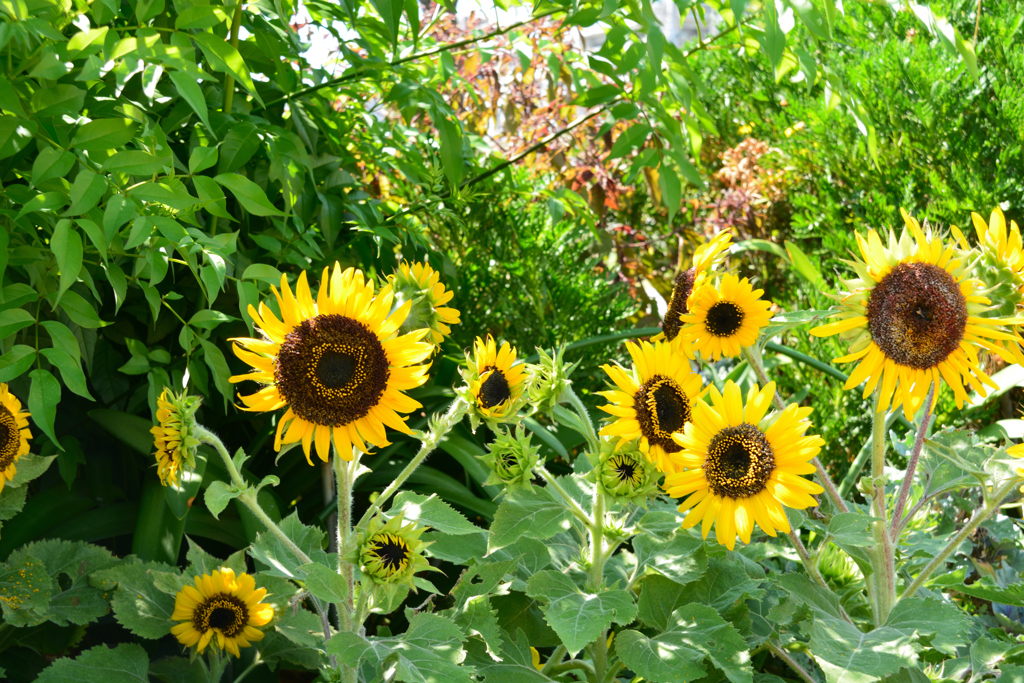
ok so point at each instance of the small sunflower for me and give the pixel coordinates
(653, 400)
(221, 604)
(14, 434)
(626, 475)
(391, 552)
(725, 317)
(419, 285)
(494, 381)
(175, 445)
(913, 316)
(337, 363)
(741, 467)
(705, 258)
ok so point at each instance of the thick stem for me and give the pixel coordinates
(915, 454)
(790, 662)
(343, 475)
(429, 443)
(577, 511)
(554, 660)
(980, 516)
(753, 355)
(327, 483)
(883, 559)
(229, 80)
(597, 556)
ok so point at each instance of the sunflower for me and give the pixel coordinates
(741, 467)
(913, 317)
(175, 445)
(495, 383)
(705, 258)
(653, 400)
(224, 605)
(336, 362)
(14, 434)
(725, 317)
(625, 474)
(419, 285)
(390, 553)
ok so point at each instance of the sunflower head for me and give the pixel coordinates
(173, 435)
(725, 316)
(652, 400)
(390, 553)
(705, 258)
(914, 316)
(549, 380)
(1017, 452)
(338, 363)
(418, 284)
(626, 474)
(14, 434)
(1000, 261)
(511, 458)
(494, 382)
(224, 606)
(737, 466)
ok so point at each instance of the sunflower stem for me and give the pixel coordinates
(256, 661)
(429, 442)
(915, 454)
(994, 502)
(811, 565)
(572, 504)
(753, 355)
(343, 474)
(790, 662)
(596, 527)
(883, 559)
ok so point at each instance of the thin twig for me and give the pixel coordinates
(915, 455)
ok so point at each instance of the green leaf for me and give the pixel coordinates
(390, 12)
(433, 512)
(847, 655)
(30, 467)
(14, 319)
(188, 88)
(66, 245)
(1011, 595)
(773, 40)
(218, 365)
(52, 162)
(80, 311)
(577, 617)
(16, 362)
(180, 497)
(430, 651)
(130, 429)
(56, 101)
(325, 584)
(803, 265)
(671, 190)
(696, 634)
(269, 550)
(945, 622)
(25, 589)
(217, 497)
(533, 513)
(125, 663)
(681, 559)
(104, 134)
(200, 16)
(139, 605)
(812, 18)
(69, 565)
(15, 134)
(805, 592)
(86, 192)
(249, 194)
(225, 58)
(450, 139)
(239, 145)
(12, 499)
(70, 371)
(43, 397)
(202, 158)
(135, 162)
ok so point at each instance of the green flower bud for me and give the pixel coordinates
(418, 284)
(390, 553)
(549, 380)
(511, 459)
(174, 435)
(626, 474)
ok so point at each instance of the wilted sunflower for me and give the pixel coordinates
(724, 317)
(221, 604)
(913, 317)
(495, 382)
(705, 258)
(419, 284)
(14, 434)
(337, 363)
(175, 445)
(653, 400)
(741, 468)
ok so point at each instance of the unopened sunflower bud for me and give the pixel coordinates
(174, 436)
(418, 285)
(626, 475)
(390, 553)
(511, 459)
(549, 380)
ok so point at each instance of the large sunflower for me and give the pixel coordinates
(419, 284)
(725, 317)
(705, 258)
(14, 434)
(742, 467)
(913, 317)
(653, 400)
(337, 363)
(495, 381)
(221, 604)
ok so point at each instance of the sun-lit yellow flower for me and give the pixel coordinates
(419, 284)
(495, 381)
(653, 399)
(705, 258)
(337, 363)
(739, 467)
(14, 434)
(725, 316)
(224, 606)
(913, 316)
(172, 437)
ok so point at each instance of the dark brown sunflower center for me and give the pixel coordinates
(495, 390)
(392, 551)
(626, 469)
(681, 289)
(917, 315)
(331, 370)
(724, 318)
(740, 461)
(662, 409)
(10, 438)
(221, 611)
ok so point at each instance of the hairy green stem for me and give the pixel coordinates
(597, 555)
(980, 516)
(229, 80)
(577, 511)
(256, 661)
(343, 475)
(428, 443)
(812, 566)
(915, 454)
(790, 662)
(554, 660)
(883, 557)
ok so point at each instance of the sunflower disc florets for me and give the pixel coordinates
(549, 380)
(626, 474)
(511, 459)
(418, 284)
(495, 382)
(174, 436)
(223, 609)
(14, 434)
(390, 553)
